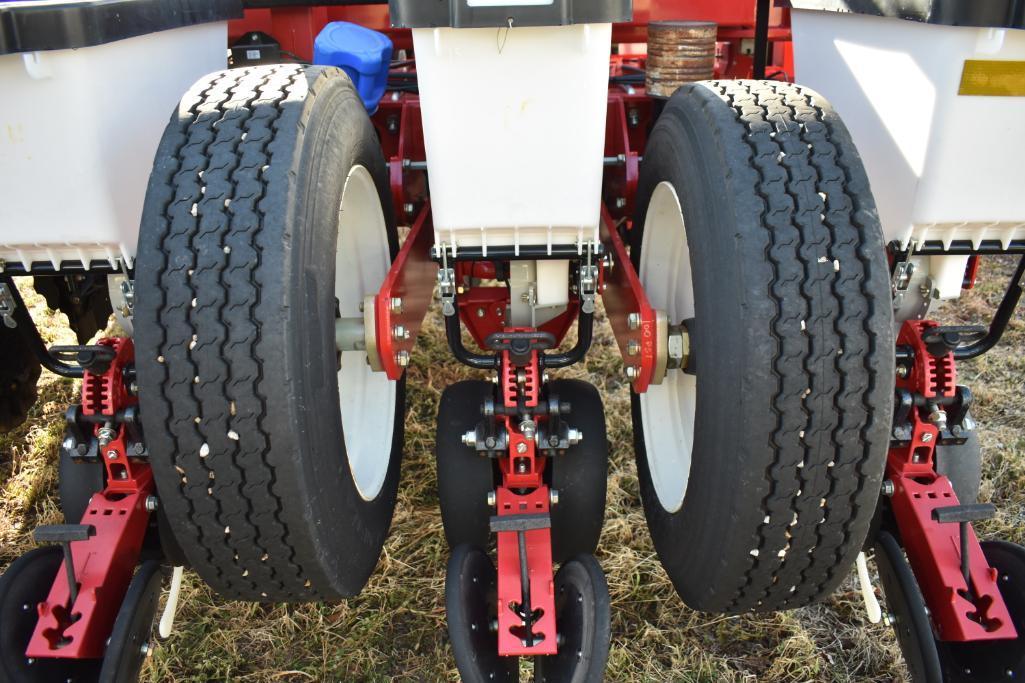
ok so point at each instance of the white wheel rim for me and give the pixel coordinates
(667, 409)
(366, 398)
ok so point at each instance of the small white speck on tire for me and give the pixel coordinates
(204, 450)
(233, 435)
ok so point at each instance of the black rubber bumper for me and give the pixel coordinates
(460, 13)
(32, 26)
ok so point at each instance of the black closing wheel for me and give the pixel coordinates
(23, 586)
(995, 660)
(580, 474)
(471, 604)
(129, 642)
(464, 476)
(760, 467)
(582, 620)
(19, 372)
(906, 606)
(267, 218)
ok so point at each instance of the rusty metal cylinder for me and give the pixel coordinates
(679, 52)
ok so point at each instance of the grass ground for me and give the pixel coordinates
(395, 630)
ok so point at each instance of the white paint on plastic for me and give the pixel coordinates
(366, 398)
(942, 166)
(514, 157)
(78, 132)
(668, 409)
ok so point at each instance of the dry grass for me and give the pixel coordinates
(395, 630)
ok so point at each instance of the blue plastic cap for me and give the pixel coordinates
(363, 54)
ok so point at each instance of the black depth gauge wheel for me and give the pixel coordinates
(268, 217)
(760, 472)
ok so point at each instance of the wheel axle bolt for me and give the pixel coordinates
(402, 359)
(521, 447)
(633, 321)
(470, 438)
(631, 372)
(152, 503)
(395, 305)
(399, 332)
(553, 497)
(633, 347)
(492, 499)
(888, 488)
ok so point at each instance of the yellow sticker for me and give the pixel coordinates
(989, 77)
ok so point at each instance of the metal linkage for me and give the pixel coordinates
(956, 580)
(526, 597)
(76, 619)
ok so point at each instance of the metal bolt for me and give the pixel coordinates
(553, 497)
(888, 488)
(399, 332)
(631, 372)
(927, 437)
(408, 208)
(620, 202)
(888, 619)
(480, 312)
(544, 377)
(490, 442)
(528, 428)
(146, 649)
(69, 443)
(492, 499)
(574, 436)
(470, 438)
(493, 625)
(112, 455)
(402, 359)
(633, 321)
(152, 503)
(902, 371)
(633, 347)
(395, 305)
(521, 447)
(521, 466)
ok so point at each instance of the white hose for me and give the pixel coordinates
(171, 608)
(875, 612)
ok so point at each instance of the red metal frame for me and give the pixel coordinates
(104, 563)
(410, 280)
(933, 549)
(623, 295)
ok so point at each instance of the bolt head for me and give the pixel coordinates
(152, 503)
(399, 332)
(574, 436)
(902, 371)
(620, 202)
(480, 312)
(521, 447)
(112, 454)
(408, 208)
(888, 488)
(633, 321)
(927, 437)
(633, 347)
(492, 499)
(632, 372)
(553, 496)
(470, 438)
(395, 305)
(402, 359)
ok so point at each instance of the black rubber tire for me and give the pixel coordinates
(471, 604)
(792, 340)
(580, 475)
(27, 582)
(19, 373)
(962, 464)
(234, 321)
(77, 482)
(464, 476)
(905, 603)
(582, 617)
(990, 661)
(133, 627)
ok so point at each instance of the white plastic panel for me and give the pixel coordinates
(78, 131)
(942, 166)
(514, 125)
